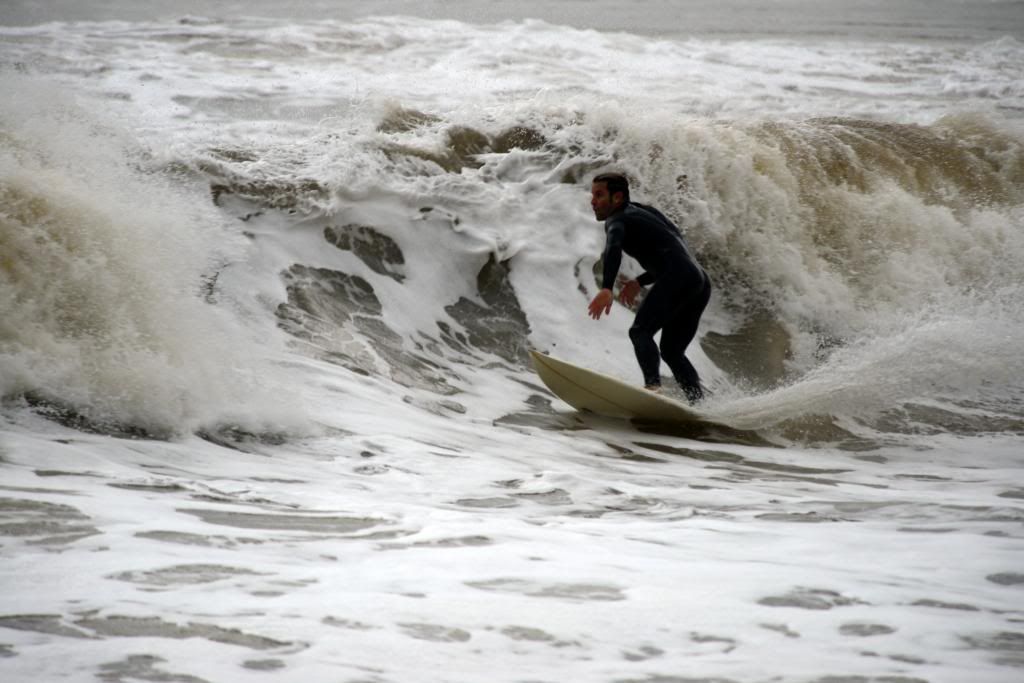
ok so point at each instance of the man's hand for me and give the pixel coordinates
(601, 304)
(628, 293)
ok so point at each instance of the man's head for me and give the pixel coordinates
(608, 193)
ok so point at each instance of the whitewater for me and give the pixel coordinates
(269, 277)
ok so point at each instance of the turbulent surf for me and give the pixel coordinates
(268, 289)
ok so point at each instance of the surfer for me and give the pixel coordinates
(680, 290)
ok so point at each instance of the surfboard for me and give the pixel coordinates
(592, 391)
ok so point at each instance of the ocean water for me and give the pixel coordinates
(269, 273)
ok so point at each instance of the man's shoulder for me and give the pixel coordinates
(616, 220)
(638, 208)
(638, 211)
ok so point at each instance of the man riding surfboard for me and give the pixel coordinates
(680, 288)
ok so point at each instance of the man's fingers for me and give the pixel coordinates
(602, 303)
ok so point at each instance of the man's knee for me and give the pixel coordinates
(674, 341)
(639, 334)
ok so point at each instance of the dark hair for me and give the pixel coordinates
(615, 182)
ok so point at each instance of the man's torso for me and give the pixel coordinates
(650, 238)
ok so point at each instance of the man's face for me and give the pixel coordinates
(601, 202)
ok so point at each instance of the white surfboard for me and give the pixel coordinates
(588, 390)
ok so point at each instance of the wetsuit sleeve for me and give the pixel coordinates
(612, 253)
(646, 279)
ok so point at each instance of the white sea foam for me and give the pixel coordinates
(381, 260)
(246, 71)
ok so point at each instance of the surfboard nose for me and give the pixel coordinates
(585, 389)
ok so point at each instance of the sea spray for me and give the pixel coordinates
(106, 269)
(827, 226)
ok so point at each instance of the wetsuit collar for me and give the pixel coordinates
(617, 212)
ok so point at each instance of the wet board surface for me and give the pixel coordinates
(585, 389)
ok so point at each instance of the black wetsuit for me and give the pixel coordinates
(676, 301)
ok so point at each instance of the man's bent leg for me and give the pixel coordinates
(678, 334)
(656, 309)
(646, 355)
